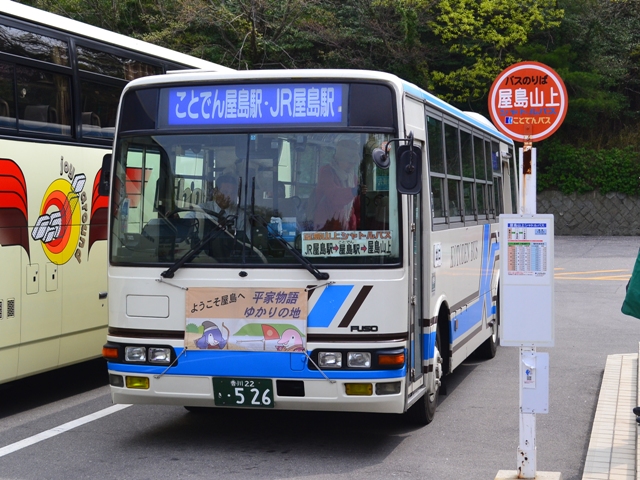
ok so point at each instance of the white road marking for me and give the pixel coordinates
(60, 429)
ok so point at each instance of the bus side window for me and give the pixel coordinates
(7, 87)
(44, 100)
(453, 187)
(100, 104)
(437, 197)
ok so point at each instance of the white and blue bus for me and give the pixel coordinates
(60, 84)
(300, 239)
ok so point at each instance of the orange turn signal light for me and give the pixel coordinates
(110, 353)
(391, 360)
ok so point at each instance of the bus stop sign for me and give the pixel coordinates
(528, 102)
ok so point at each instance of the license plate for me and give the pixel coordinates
(243, 392)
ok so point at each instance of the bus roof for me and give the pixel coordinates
(57, 22)
(473, 118)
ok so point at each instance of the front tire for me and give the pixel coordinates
(423, 411)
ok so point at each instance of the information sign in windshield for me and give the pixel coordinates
(347, 244)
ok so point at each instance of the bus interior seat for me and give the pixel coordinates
(41, 113)
(4, 109)
(90, 118)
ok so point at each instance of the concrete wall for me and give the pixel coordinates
(592, 213)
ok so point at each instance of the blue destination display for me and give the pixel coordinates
(254, 104)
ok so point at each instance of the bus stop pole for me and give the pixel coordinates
(526, 454)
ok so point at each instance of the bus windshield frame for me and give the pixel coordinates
(244, 193)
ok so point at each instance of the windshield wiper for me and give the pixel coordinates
(294, 253)
(193, 251)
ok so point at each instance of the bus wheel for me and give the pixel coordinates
(423, 411)
(490, 346)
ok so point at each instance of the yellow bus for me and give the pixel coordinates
(60, 83)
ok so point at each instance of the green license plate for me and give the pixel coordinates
(243, 392)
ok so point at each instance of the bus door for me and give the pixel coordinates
(415, 129)
(415, 294)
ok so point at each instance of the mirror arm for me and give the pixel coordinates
(381, 157)
(411, 167)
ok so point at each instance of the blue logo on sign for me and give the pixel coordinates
(508, 120)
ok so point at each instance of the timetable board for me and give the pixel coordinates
(526, 280)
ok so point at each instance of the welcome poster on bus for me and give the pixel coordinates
(253, 319)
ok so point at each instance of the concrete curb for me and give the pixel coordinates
(612, 452)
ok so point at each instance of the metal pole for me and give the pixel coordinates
(526, 455)
(527, 446)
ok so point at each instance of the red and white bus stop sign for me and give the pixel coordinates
(528, 102)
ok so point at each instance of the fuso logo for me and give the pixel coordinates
(62, 224)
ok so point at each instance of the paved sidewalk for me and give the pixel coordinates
(613, 448)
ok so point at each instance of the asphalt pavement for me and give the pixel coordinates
(474, 434)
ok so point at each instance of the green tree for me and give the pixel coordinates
(122, 16)
(604, 97)
(241, 34)
(364, 34)
(482, 37)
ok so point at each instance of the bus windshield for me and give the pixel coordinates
(240, 198)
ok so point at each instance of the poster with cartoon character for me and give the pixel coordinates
(249, 319)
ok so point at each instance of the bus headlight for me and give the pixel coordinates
(359, 359)
(159, 355)
(135, 354)
(330, 359)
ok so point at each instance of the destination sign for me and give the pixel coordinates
(264, 104)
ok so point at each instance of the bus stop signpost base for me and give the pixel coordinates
(513, 474)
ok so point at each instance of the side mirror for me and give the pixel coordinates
(105, 176)
(409, 169)
(380, 158)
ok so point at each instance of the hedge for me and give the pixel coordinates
(581, 170)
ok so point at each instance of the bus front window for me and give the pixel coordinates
(236, 197)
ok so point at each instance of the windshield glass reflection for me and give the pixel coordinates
(246, 193)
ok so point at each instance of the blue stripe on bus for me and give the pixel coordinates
(327, 306)
(223, 363)
(429, 340)
(473, 314)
